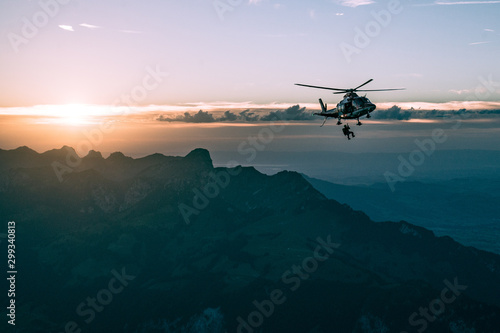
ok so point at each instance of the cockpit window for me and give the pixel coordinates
(358, 102)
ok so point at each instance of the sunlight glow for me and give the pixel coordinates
(74, 115)
(70, 114)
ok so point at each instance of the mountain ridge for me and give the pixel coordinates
(246, 233)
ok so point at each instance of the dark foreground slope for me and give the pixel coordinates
(171, 244)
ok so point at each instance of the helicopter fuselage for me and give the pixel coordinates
(354, 106)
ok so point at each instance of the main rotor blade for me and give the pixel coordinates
(317, 87)
(370, 80)
(341, 91)
(383, 89)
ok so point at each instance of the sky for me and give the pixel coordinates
(165, 52)
(119, 75)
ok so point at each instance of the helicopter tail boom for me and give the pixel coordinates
(324, 111)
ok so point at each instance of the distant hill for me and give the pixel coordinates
(369, 168)
(172, 244)
(465, 209)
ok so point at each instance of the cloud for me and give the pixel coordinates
(293, 113)
(396, 113)
(452, 3)
(248, 115)
(206, 117)
(66, 27)
(296, 113)
(200, 117)
(354, 3)
(228, 116)
(479, 43)
(455, 3)
(404, 111)
(461, 91)
(446, 106)
(93, 27)
(90, 26)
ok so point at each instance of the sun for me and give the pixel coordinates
(74, 114)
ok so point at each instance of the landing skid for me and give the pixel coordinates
(324, 121)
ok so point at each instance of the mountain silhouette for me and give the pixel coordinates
(199, 248)
(465, 209)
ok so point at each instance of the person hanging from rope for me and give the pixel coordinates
(347, 131)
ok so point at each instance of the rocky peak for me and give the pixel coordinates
(25, 150)
(200, 156)
(92, 154)
(117, 156)
(59, 154)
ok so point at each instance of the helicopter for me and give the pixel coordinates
(351, 107)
